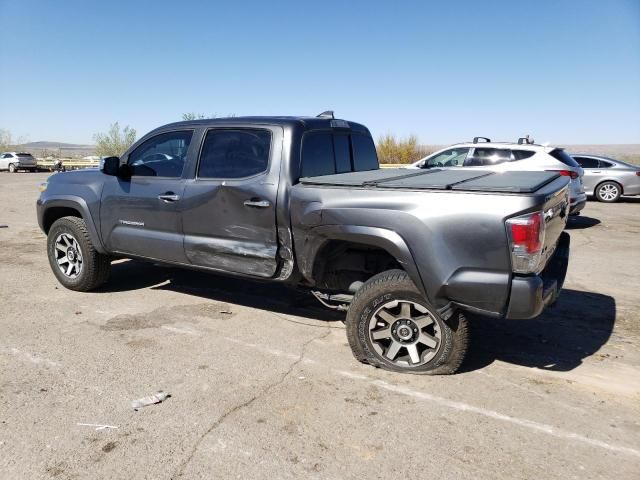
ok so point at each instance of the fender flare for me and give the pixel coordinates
(79, 204)
(383, 238)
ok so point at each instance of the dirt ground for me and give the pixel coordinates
(263, 384)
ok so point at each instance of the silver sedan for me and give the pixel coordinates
(607, 179)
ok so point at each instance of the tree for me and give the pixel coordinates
(6, 140)
(115, 142)
(404, 150)
(194, 116)
(201, 116)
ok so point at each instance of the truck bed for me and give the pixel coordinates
(439, 179)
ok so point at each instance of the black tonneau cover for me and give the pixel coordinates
(436, 179)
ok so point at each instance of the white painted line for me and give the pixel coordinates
(460, 406)
(27, 356)
(185, 330)
(541, 427)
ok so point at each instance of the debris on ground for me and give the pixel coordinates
(97, 425)
(157, 397)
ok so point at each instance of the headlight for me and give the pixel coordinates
(43, 186)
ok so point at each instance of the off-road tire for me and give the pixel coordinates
(613, 187)
(95, 266)
(396, 285)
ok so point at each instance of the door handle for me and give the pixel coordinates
(169, 197)
(596, 171)
(257, 203)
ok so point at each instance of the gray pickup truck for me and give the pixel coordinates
(302, 200)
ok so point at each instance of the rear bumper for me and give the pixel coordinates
(531, 294)
(577, 204)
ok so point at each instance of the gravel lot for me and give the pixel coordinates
(263, 384)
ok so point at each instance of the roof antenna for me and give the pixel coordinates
(327, 114)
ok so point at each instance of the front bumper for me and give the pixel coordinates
(531, 294)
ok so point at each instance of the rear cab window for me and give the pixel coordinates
(327, 153)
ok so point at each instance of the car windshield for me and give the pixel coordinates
(454, 157)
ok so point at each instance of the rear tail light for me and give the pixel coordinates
(526, 235)
(566, 173)
(638, 173)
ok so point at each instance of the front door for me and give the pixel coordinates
(140, 216)
(229, 208)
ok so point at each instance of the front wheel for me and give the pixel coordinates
(74, 260)
(390, 325)
(12, 168)
(608, 192)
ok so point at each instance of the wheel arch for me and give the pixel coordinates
(378, 241)
(56, 208)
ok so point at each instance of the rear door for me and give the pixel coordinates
(229, 208)
(140, 216)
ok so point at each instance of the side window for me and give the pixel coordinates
(522, 154)
(364, 153)
(488, 156)
(604, 164)
(586, 162)
(234, 153)
(317, 155)
(161, 156)
(453, 157)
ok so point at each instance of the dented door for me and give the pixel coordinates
(229, 209)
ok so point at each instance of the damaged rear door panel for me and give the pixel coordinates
(229, 208)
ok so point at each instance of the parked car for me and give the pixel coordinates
(607, 179)
(302, 200)
(14, 161)
(502, 156)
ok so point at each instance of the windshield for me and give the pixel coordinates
(454, 157)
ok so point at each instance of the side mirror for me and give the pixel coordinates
(110, 166)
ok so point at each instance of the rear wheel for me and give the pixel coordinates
(72, 257)
(12, 168)
(390, 325)
(608, 192)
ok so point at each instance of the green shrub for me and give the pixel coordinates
(402, 150)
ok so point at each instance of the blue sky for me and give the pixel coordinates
(564, 71)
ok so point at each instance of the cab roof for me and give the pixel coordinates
(307, 123)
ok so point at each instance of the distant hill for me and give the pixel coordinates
(45, 148)
(46, 144)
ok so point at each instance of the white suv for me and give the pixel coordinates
(14, 161)
(524, 155)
